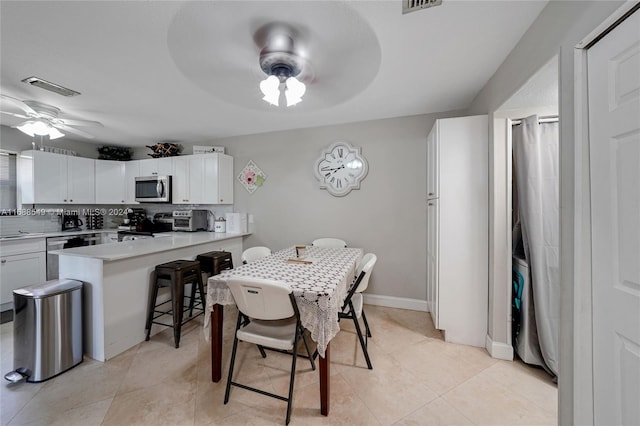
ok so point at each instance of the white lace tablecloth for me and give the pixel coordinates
(319, 287)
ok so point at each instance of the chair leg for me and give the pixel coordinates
(262, 352)
(366, 324)
(233, 360)
(293, 375)
(360, 337)
(152, 308)
(203, 297)
(177, 301)
(306, 345)
(192, 298)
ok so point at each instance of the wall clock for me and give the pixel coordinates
(340, 168)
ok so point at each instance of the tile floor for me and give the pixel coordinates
(417, 379)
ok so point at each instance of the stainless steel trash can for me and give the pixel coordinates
(47, 329)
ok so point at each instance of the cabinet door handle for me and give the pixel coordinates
(430, 204)
(431, 193)
(4, 261)
(71, 201)
(64, 200)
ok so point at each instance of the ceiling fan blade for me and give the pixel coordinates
(14, 115)
(78, 122)
(18, 103)
(73, 130)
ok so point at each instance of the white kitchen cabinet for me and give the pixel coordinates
(22, 263)
(433, 171)
(115, 181)
(156, 167)
(203, 179)
(110, 182)
(131, 171)
(457, 228)
(47, 178)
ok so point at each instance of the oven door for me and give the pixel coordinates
(182, 223)
(153, 189)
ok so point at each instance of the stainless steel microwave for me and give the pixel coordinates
(153, 189)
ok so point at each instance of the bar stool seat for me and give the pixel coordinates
(215, 262)
(176, 275)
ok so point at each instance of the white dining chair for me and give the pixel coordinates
(353, 307)
(329, 243)
(268, 317)
(254, 253)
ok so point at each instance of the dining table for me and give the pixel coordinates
(319, 280)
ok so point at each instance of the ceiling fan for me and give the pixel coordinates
(42, 119)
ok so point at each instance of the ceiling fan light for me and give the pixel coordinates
(41, 128)
(295, 91)
(270, 89)
(55, 133)
(27, 128)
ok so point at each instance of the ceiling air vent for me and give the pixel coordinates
(52, 87)
(409, 6)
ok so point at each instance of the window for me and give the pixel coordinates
(8, 192)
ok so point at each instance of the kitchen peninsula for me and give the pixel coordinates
(117, 283)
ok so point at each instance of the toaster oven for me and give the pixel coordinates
(190, 220)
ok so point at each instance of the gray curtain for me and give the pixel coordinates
(536, 153)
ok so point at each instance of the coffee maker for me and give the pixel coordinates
(71, 222)
(135, 218)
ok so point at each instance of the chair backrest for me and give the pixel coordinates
(262, 299)
(329, 242)
(366, 265)
(254, 253)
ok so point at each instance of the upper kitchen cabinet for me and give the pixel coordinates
(203, 179)
(433, 165)
(110, 182)
(115, 181)
(156, 167)
(47, 178)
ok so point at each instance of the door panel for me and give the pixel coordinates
(614, 144)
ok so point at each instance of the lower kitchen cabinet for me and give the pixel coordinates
(23, 263)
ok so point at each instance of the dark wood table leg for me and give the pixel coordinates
(217, 315)
(324, 382)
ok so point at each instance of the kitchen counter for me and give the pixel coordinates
(29, 235)
(118, 278)
(164, 241)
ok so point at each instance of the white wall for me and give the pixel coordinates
(385, 216)
(560, 26)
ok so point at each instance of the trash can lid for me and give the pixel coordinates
(49, 288)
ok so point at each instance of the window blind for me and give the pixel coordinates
(8, 187)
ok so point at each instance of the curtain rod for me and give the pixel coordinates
(547, 119)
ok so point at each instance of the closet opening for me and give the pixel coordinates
(526, 218)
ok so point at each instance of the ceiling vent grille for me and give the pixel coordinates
(52, 87)
(409, 6)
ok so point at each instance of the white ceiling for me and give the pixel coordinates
(180, 71)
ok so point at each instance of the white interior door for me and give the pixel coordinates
(614, 135)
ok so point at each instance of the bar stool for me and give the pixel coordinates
(178, 273)
(215, 262)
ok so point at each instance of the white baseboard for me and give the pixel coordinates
(396, 302)
(499, 350)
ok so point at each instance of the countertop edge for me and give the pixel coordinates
(129, 249)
